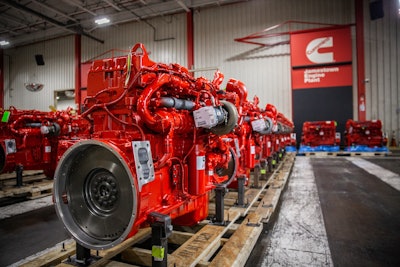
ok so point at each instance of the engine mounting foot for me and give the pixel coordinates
(219, 218)
(161, 229)
(240, 200)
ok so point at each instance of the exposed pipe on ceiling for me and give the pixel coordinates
(183, 5)
(54, 10)
(110, 3)
(57, 23)
(77, 4)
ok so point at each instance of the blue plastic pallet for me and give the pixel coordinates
(305, 149)
(291, 149)
(363, 148)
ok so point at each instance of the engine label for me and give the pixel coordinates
(205, 117)
(258, 125)
(47, 149)
(200, 163)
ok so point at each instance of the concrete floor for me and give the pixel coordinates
(336, 211)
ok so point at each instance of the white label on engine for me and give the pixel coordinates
(47, 149)
(337, 136)
(269, 144)
(205, 117)
(200, 162)
(11, 146)
(321, 133)
(237, 147)
(252, 150)
(258, 125)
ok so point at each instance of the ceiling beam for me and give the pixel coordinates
(57, 23)
(110, 3)
(77, 4)
(54, 10)
(183, 5)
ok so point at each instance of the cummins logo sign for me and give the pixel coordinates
(314, 53)
(321, 58)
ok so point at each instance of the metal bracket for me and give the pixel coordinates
(240, 200)
(161, 229)
(219, 218)
(252, 224)
(256, 175)
(18, 171)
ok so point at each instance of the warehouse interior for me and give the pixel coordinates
(124, 90)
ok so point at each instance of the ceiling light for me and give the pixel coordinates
(3, 43)
(102, 21)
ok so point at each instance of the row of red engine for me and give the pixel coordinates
(151, 138)
(357, 133)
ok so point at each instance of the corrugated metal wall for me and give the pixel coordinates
(382, 62)
(266, 72)
(166, 42)
(56, 74)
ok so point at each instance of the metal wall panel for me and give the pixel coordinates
(382, 62)
(265, 71)
(166, 41)
(56, 74)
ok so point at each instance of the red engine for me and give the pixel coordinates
(365, 133)
(29, 138)
(319, 133)
(158, 144)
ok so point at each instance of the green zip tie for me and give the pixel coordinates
(263, 171)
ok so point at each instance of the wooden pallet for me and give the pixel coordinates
(205, 244)
(30, 191)
(30, 176)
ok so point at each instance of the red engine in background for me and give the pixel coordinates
(319, 133)
(365, 133)
(158, 144)
(29, 138)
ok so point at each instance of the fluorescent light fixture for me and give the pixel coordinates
(3, 43)
(102, 21)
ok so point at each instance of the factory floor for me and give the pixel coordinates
(336, 211)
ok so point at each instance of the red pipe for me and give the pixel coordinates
(1, 78)
(78, 72)
(359, 9)
(190, 39)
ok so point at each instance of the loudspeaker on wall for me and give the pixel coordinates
(39, 60)
(376, 9)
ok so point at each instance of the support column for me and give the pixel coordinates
(1, 78)
(78, 45)
(190, 39)
(361, 101)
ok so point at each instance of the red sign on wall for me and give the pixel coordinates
(321, 58)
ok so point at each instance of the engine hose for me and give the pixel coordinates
(180, 104)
